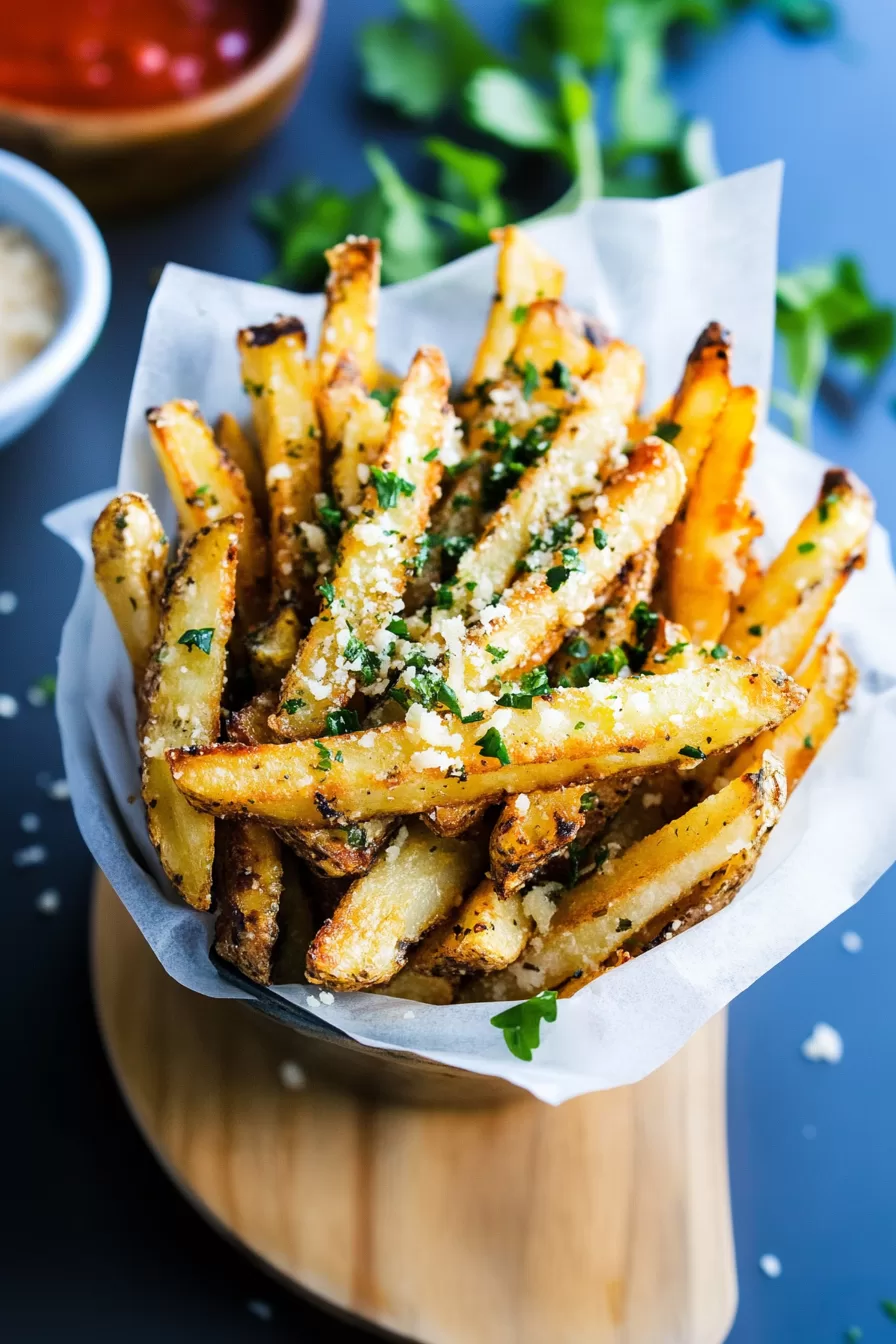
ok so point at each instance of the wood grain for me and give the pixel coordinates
(605, 1220)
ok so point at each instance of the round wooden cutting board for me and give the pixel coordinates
(606, 1220)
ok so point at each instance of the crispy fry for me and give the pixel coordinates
(781, 618)
(182, 694)
(207, 486)
(552, 335)
(586, 440)
(487, 933)
(342, 651)
(272, 646)
(280, 382)
(701, 395)
(525, 273)
(355, 427)
(705, 559)
(410, 887)
(451, 821)
(130, 550)
(603, 730)
(830, 678)
(235, 442)
(532, 617)
(418, 987)
(349, 323)
(248, 885)
(652, 881)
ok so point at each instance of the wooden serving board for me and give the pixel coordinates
(604, 1220)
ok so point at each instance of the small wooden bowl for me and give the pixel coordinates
(121, 161)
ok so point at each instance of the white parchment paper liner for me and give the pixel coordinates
(655, 272)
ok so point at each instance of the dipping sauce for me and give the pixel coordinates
(30, 300)
(128, 54)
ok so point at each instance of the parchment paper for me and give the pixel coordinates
(655, 273)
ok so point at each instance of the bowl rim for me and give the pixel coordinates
(291, 48)
(87, 303)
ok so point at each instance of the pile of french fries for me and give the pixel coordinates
(469, 701)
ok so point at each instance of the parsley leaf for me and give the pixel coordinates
(521, 1024)
(805, 547)
(693, 753)
(511, 109)
(600, 538)
(531, 379)
(355, 837)
(330, 517)
(398, 627)
(368, 661)
(327, 591)
(497, 655)
(492, 744)
(668, 430)
(292, 706)
(342, 721)
(324, 759)
(389, 485)
(199, 639)
(386, 396)
(559, 376)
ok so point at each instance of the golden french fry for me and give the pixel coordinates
(649, 885)
(701, 395)
(130, 551)
(705, 567)
(279, 379)
(248, 886)
(207, 486)
(412, 886)
(235, 442)
(605, 729)
(418, 987)
(525, 273)
(182, 695)
(272, 646)
(532, 617)
(487, 933)
(355, 427)
(343, 651)
(349, 323)
(556, 341)
(779, 621)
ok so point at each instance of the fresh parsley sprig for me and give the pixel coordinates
(521, 1024)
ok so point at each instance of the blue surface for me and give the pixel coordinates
(89, 1210)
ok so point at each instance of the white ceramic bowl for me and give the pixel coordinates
(58, 222)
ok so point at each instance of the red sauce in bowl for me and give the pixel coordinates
(101, 55)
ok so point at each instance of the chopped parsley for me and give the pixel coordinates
(492, 744)
(560, 376)
(645, 622)
(556, 576)
(368, 660)
(460, 501)
(444, 599)
(580, 724)
(755, 630)
(330, 518)
(458, 468)
(455, 547)
(121, 521)
(807, 743)
(327, 591)
(497, 655)
(389, 485)
(199, 639)
(597, 665)
(531, 379)
(431, 455)
(623, 925)
(253, 389)
(825, 505)
(342, 721)
(398, 627)
(385, 396)
(356, 837)
(587, 801)
(515, 454)
(521, 1024)
(324, 760)
(292, 706)
(718, 651)
(519, 313)
(600, 538)
(532, 686)
(668, 430)
(805, 547)
(675, 649)
(578, 647)
(693, 753)
(424, 549)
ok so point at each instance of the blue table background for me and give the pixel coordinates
(95, 1243)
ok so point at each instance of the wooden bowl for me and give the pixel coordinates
(121, 161)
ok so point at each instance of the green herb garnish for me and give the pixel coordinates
(199, 639)
(389, 485)
(385, 396)
(668, 430)
(292, 706)
(694, 753)
(342, 721)
(521, 1024)
(324, 760)
(601, 540)
(805, 547)
(492, 744)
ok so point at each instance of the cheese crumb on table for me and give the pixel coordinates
(48, 902)
(851, 941)
(824, 1045)
(770, 1266)
(292, 1075)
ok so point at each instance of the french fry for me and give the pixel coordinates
(701, 395)
(232, 438)
(555, 340)
(451, 821)
(525, 273)
(533, 615)
(652, 882)
(487, 933)
(418, 987)
(248, 886)
(412, 886)
(280, 381)
(705, 559)
(343, 649)
(602, 730)
(779, 621)
(830, 678)
(207, 486)
(272, 646)
(355, 427)
(130, 551)
(349, 323)
(586, 440)
(182, 695)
